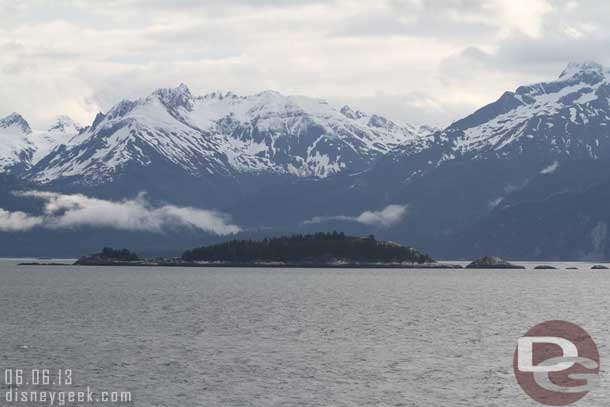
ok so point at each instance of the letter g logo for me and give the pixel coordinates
(556, 363)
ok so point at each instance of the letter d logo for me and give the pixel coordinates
(525, 348)
(556, 363)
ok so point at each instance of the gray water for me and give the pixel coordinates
(271, 337)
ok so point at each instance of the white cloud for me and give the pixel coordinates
(525, 16)
(70, 211)
(17, 221)
(389, 216)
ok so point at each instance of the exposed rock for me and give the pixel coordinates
(599, 267)
(545, 267)
(489, 262)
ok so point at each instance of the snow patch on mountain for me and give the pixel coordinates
(550, 169)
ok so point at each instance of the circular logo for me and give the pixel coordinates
(556, 363)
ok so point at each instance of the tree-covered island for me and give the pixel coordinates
(311, 250)
(318, 248)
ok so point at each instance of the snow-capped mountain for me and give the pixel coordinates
(567, 117)
(224, 134)
(21, 147)
(59, 133)
(15, 147)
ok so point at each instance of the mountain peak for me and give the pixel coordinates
(583, 67)
(351, 114)
(179, 96)
(182, 88)
(65, 124)
(270, 95)
(220, 96)
(15, 119)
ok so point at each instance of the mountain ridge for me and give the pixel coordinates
(225, 134)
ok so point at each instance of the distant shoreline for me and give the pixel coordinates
(256, 265)
(395, 266)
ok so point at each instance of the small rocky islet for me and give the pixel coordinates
(492, 262)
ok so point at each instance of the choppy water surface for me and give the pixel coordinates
(256, 337)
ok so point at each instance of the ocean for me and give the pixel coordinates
(287, 337)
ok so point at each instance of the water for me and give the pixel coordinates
(258, 337)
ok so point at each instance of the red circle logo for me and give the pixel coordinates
(556, 363)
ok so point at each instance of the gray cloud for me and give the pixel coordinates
(432, 61)
(447, 20)
(387, 217)
(70, 211)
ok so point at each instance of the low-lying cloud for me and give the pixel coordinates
(63, 211)
(389, 216)
(17, 221)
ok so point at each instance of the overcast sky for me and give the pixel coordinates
(423, 61)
